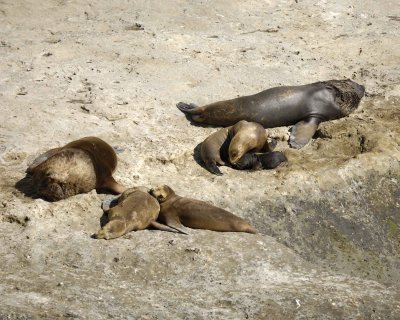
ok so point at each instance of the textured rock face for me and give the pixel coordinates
(329, 240)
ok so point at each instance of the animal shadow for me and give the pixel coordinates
(25, 186)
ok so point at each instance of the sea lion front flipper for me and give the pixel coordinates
(302, 132)
(42, 158)
(108, 204)
(271, 160)
(162, 227)
(213, 168)
(187, 108)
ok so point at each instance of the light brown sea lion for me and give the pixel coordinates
(231, 143)
(77, 167)
(305, 107)
(136, 210)
(178, 212)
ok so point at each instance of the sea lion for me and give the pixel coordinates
(256, 161)
(178, 212)
(136, 210)
(305, 107)
(231, 143)
(77, 167)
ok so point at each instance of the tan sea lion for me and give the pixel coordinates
(305, 107)
(178, 212)
(136, 210)
(231, 143)
(78, 167)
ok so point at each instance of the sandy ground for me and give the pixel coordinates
(329, 241)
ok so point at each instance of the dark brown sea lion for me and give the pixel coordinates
(178, 212)
(305, 107)
(136, 210)
(231, 143)
(77, 167)
(256, 161)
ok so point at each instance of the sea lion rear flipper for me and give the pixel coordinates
(42, 158)
(187, 108)
(302, 132)
(112, 185)
(177, 225)
(162, 227)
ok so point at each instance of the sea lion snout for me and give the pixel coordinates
(161, 192)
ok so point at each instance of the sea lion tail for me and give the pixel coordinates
(188, 108)
(271, 160)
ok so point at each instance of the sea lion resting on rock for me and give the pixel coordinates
(231, 143)
(77, 167)
(136, 210)
(178, 212)
(305, 107)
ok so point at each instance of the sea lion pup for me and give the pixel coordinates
(305, 107)
(256, 161)
(136, 210)
(178, 212)
(77, 167)
(231, 143)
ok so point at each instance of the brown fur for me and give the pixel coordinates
(78, 167)
(136, 210)
(236, 141)
(177, 212)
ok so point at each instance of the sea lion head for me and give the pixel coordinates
(162, 193)
(348, 94)
(47, 187)
(237, 149)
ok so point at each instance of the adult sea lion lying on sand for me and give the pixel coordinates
(78, 167)
(305, 107)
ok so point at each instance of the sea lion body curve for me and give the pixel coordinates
(231, 143)
(303, 106)
(78, 167)
(179, 212)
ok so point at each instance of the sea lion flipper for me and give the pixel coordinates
(302, 133)
(112, 185)
(270, 145)
(187, 108)
(177, 225)
(213, 168)
(162, 227)
(42, 158)
(109, 203)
